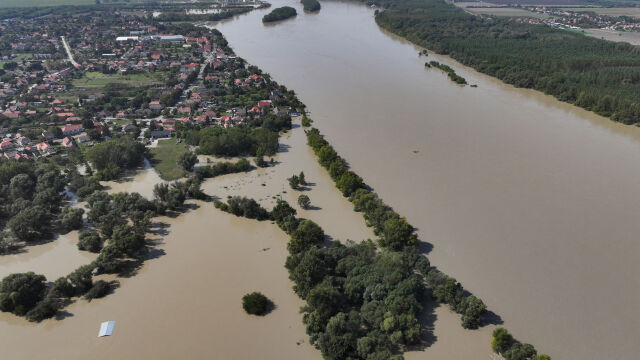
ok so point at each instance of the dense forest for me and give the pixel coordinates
(280, 13)
(597, 75)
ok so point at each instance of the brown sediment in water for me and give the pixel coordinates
(529, 202)
(185, 300)
(54, 258)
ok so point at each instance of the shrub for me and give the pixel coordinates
(304, 201)
(306, 235)
(501, 340)
(255, 303)
(188, 160)
(100, 289)
(89, 241)
(71, 218)
(45, 309)
(19, 293)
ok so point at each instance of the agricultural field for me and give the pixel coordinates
(632, 38)
(18, 58)
(633, 11)
(495, 10)
(165, 158)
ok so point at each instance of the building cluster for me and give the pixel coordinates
(562, 18)
(45, 109)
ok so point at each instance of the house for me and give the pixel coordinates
(168, 123)
(129, 127)
(43, 147)
(47, 135)
(6, 144)
(67, 142)
(155, 105)
(72, 129)
(160, 134)
(11, 114)
(24, 141)
(84, 138)
(264, 103)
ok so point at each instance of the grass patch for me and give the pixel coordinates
(100, 80)
(165, 159)
(18, 59)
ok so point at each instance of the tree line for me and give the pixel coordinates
(600, 76)
(280, 13)
(450, 72)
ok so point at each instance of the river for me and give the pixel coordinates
(531, 203)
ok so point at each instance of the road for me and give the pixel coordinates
(66, 47)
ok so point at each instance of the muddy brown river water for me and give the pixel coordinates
(531, 203)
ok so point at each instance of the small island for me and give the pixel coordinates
(311, 5)
(280, 13)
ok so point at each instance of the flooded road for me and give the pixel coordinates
(529, 202)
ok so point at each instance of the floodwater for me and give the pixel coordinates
(185, 300)
(53, 259)
(531, 203)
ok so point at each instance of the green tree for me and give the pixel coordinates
(99, 289)
(520, 352)
(349, 182)
(397, 234)
(471, 309)
(89, 241)
(294, 182)
(542, 357)
(255, 303)
(19, 293)
(306, 235)
(304, 201)
(501, 340)
(30, 224)
(82, 279)
(22, 186)
(188, 160)
(45, 309)
(71, 218)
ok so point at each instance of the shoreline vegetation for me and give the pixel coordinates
(311, 5)
(363, 300)
(280, 13)
(597, 75)
(450, 72)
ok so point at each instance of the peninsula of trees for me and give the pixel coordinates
(310, 5)
(594, 74)
(280, 13)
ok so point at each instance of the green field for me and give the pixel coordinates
(18, 58)
(165, 159)
(99, 80)
(633, 12)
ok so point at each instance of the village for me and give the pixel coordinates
(576, 20)
(128, 75)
